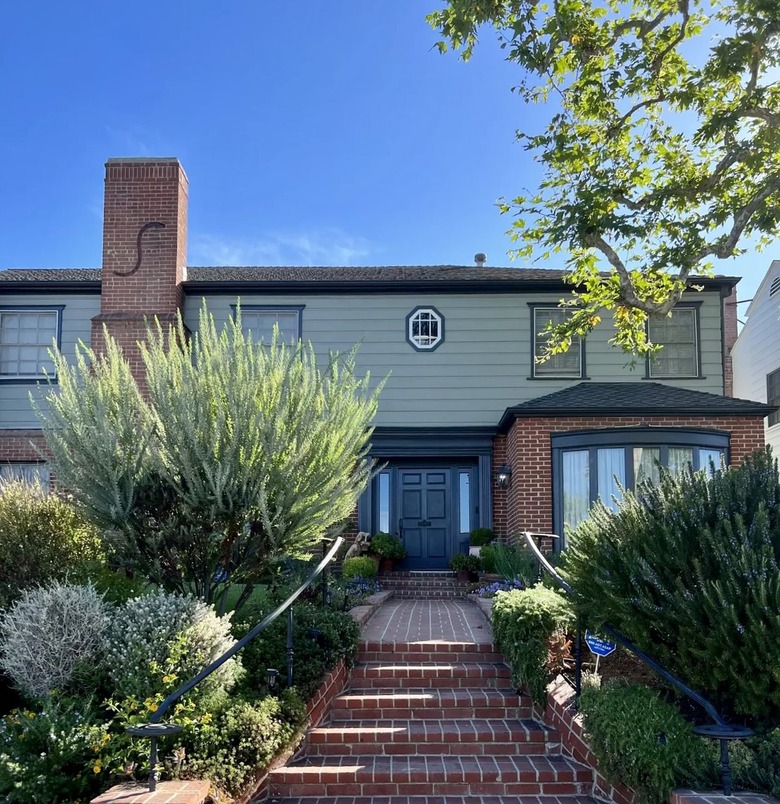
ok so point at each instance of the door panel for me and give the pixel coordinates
(425, 517)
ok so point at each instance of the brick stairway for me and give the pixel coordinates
(424, 585)
(431, 716)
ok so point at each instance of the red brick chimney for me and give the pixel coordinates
(144, 249)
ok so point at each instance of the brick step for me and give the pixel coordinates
(426, 594)
(394, 580)
(430, 704)
(457, 737)
(476, 799)
(430, 674)
(433, 651)
(422, 574)
(430, 776)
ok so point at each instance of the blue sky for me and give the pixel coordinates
(313, 133)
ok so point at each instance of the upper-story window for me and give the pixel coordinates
(261, 320)
(26, 335)
(569, 364)
(773, 395)
(425, 328)
(678, 333)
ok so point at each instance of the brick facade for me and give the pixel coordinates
(19, 445)
(527, 448)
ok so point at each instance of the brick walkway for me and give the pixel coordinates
(443, 621)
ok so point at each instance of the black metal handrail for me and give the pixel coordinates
(721, 729)
(155, 728)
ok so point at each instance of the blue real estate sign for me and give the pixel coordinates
(599, 646)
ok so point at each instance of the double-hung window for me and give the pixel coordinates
(26, 336)
(567, 365)
(678, 334)
(261, 320)
(773, 395)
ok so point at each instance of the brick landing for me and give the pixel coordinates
(429, 621)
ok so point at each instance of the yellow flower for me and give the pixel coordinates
(97, 767)
(167, 679)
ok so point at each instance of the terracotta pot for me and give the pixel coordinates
(386, 566)
(463, 575)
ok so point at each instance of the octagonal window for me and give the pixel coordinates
(425, 328)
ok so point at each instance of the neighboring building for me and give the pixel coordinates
(756, 353)
(471, 430)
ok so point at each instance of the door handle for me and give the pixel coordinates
(424, 523)
(400, 528)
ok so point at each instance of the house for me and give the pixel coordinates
(756, 353)
(471, 431)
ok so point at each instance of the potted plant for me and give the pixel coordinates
(388, 549)
(466, 567)
(478, 538)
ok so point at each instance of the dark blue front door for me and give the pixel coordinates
(424, 523)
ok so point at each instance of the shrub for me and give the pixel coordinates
(488, 558)
(321, 637)
(50, 755)
(42, 537)
(360, 566)
(492, 589)
(464, 563)
(687, 567)
(479, 537)
(242, 738)
(644, 742)
(151, 639)
(346, 594)
(386, 546)
(524, 623)
(49, 633)
(514, 562)
(755, 763)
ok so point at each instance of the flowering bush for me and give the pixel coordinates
(358, 567)
(357, 589)
(49, 633)
(499, 586)
(162, 639)
(50, 755)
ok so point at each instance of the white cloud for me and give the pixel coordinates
(317, 247)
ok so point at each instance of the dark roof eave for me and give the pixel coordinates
(49, 285)
(510, 414)
(401, 286)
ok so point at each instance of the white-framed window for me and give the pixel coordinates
(773, 396)
(425, 329)
(260, 320)
(33, 473)
(678, 333)
(26, 336)
(599, 465)
(567, 364)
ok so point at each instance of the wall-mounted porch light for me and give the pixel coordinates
(504, 476)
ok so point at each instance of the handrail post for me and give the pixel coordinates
(725, 767)
(325, 575)
(289, 647)
(153, 765)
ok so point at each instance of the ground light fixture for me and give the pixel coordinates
(270, 677)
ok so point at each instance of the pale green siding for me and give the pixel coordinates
(15, 410)
(484, 364)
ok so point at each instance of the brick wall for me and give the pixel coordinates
(500, 496)
(529, 453)
(17, 445)
(139, 192)
(729, 339)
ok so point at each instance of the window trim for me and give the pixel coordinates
(687, 305)
(37, 308)
(273, 308)
(533, 308)
(426, 308)
(38, 464)
(628, 438)
(773, 419)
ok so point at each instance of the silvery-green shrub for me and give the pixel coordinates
(156, 642)
(48, 633)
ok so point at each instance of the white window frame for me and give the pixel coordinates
(653, 373)
(22, 309)
(273, 310)
(551, 369)
(422, 343)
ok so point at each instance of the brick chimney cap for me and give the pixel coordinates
(137, 159)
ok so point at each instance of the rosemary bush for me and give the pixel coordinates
(689, 569)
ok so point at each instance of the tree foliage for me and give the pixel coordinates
(237, 453)
(662, 149)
